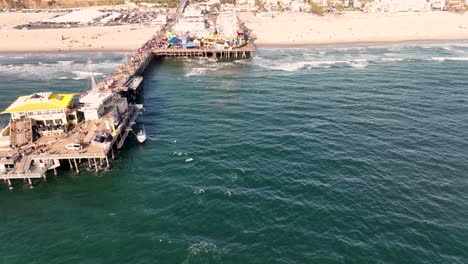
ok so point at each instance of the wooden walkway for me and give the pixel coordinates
(243, 52)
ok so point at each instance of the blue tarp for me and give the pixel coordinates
(174, 41)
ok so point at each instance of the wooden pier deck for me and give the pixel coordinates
(33, 159)
(243, 52)
(51, 150)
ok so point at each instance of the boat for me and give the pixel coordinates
(141, 136)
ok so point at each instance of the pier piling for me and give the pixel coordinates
(76, 167)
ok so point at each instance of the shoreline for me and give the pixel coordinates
(263, 45)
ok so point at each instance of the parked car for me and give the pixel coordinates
(73, 146)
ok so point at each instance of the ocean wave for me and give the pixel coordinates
(204, 252)
(45, 70)
(395, 59)
(295, 66)
(449, 58)
(65, 62)
(80, 75)
(199, 67)
(359, 63)
(195, 71)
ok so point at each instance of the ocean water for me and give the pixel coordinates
(328, 154)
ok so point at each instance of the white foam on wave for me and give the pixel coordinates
(360, 63)
(449, 59)
(65, 62)
(24, 70)
(203, 248)
(199, 191)
(195, 71)
(298, 65)
(244, 62)
(65, 68)
(199, 67)
(80, 75)
(394, 59)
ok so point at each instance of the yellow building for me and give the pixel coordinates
(45, 113)
(49, 108)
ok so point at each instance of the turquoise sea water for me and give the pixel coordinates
(333, 154)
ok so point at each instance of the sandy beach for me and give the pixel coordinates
(118, 38)
(353, 27)
(267, 28)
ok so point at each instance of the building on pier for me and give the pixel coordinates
(39, 114)
(101, 121)
(49, 108)
(86, 129)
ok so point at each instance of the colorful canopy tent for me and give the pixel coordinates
(174, 41)
(170, 34)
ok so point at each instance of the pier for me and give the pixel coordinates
(243, 52)
(48, 130)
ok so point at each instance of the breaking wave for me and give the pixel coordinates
(295, 66)
(395, 59)
(79, 75)
(449, 58)
(65, 62)
(203, 252)
(199, 67)
(195, 71)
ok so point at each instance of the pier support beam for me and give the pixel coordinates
(71, 165)
(107, 163)
(95, 165)
(30, 184)
(10, 186)
(76, 167)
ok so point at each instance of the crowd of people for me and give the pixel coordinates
(143, 54)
